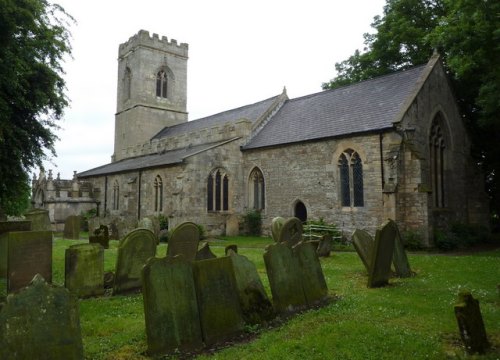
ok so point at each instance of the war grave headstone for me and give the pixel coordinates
(40, 322)
(470, 323)
(204, 253)
(399, 258)
(84, 270)
(383, 250)
(363, 243)
(40, 220)
(72, 227)
(133, 252)
(313, 279)
(284, 276)
(101, 237)
(232, 247)
(28, 253)
(255, 304)
(184, 241)
(170, 306)
(218, 304)
(276, 225)
(291, 232)
(324, 247)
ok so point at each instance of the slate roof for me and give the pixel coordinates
(371, 105)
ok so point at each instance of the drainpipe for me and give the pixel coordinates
(139, 196)
(105, 194)
(380, 137)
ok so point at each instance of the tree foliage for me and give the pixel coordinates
(467, 35)
(33, 42)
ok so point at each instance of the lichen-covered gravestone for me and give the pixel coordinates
(40, 220)
(101, 236)
(5, 227)
(276, 225)
(72, 227)
(84, 270)
(470, 323)
(133, 252)
(363, 243)
(383, 250)
(313, 280)
(184, 241)
(291, 232)
(325, 246)
(400, 259)
(220, 312)
(170, 306)
(255, 304)
(40, 322)
(204, 253)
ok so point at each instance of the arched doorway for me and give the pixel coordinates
(300, 211)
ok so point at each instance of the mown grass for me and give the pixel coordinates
(410, 319)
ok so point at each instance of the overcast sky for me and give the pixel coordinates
(240, 52)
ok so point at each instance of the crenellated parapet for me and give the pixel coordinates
(142, 38)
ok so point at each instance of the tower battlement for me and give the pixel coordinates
(142, 38)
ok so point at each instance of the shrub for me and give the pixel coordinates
(163, 220)
(461, 235)
(253, 222)
(412, 239)
(85, 216)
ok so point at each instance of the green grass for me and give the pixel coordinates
(410, 319)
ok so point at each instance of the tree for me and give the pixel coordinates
(467, 35)
(33, 43)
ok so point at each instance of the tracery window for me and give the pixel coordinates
(351, 179)
(161, 84)
(116, 195)
(158, 186)
(218, 191)
(256, 190)
(437, 148)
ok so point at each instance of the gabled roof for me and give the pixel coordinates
(371, 105)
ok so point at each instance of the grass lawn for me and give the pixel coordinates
(410, 319)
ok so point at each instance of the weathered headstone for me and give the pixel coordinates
(232, 226)
(8, 226)
(40, 220)
(383, 250)
(170, 306)
(40, 322)
(84, 270)
(28, 253)
(72, 227)
(204, 253)
(276, 225)
(470, 323)
(220, 312)
(184, 241)
(291, 232)
(313, 280)
(101, 237)
(363, 243)
(133, 252)
(400, 259)
(146, 223)
(284, 276)
(232, 247)
(325, 246)
(255, 304)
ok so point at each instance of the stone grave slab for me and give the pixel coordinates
(8, 226)
(284, 276)
(184, 241)
(40, 220)
(276, 225)
(40, 322)
(204, 253)
(133, 252)
(400, 259)
(313, 279)
(84, 270)
(363, 243)
(291, 232)
(28, 253)
(255, 304)
(170, 306)
(380, 264)
(72, 227)
(216, 290)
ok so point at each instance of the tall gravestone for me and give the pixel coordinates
(5, 227)
(216, 290)
(170, 306)
(40, 220)
(40, 322)
(133, 251)
(72, 227)
(400, 259)
(325, 245)
(313, 279)
(383, 250)
(276, 225)
(363, 243)
(184, 241)
(291, 232)
(84, 270)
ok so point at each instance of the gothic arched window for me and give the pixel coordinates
(218, 191)
(256, 190)
(437, 148)
(161, 84)
(158, 186)
(351, 179)
(116, 195)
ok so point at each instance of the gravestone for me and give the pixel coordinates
(232, 226)
(400, 259)
(383, 250)
(170, 306)
(40, 220)
(325, 246)
(232, 247)
(276, 226)
(254, 302)
(8, 226)
(40, 322)
(28, 253)
(184, 241)
(220, 312)
(313, 280)
(101, 237)
(284, 276)
(291, 232)
(470, 323)
(84, 270)
(146, 223)
(133, 252)
(363, 243)
(72, 227)
(204, 253)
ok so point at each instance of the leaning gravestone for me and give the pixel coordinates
(220, 312)
(313, 280)
(133, 252)
(284, 276)
(84, 270)
(383, 250)
(40, 220)
(72, 227)
(204, 253)
(28, 253)
(40, 322)
(291, 232)
(184, 241)
(276, 226)
(255, 304)
(470, 323)
(363, 243)
(8, 226)
(170, 306)
(400, 259)
(325, 246)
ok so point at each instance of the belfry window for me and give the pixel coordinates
(351, 179)
(218, 191)
(127, 83)
(161, 84)
(256, 190)
(158, 186)
(437, 148)
(116, 196)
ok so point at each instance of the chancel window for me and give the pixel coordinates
(116, 196)
(158, 186)
(437, 148)
(256, 190)
(161, 84)
(218, 191)
(351, 179)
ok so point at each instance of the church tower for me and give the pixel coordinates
(152, 89)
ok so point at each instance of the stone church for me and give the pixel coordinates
(390, 147)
